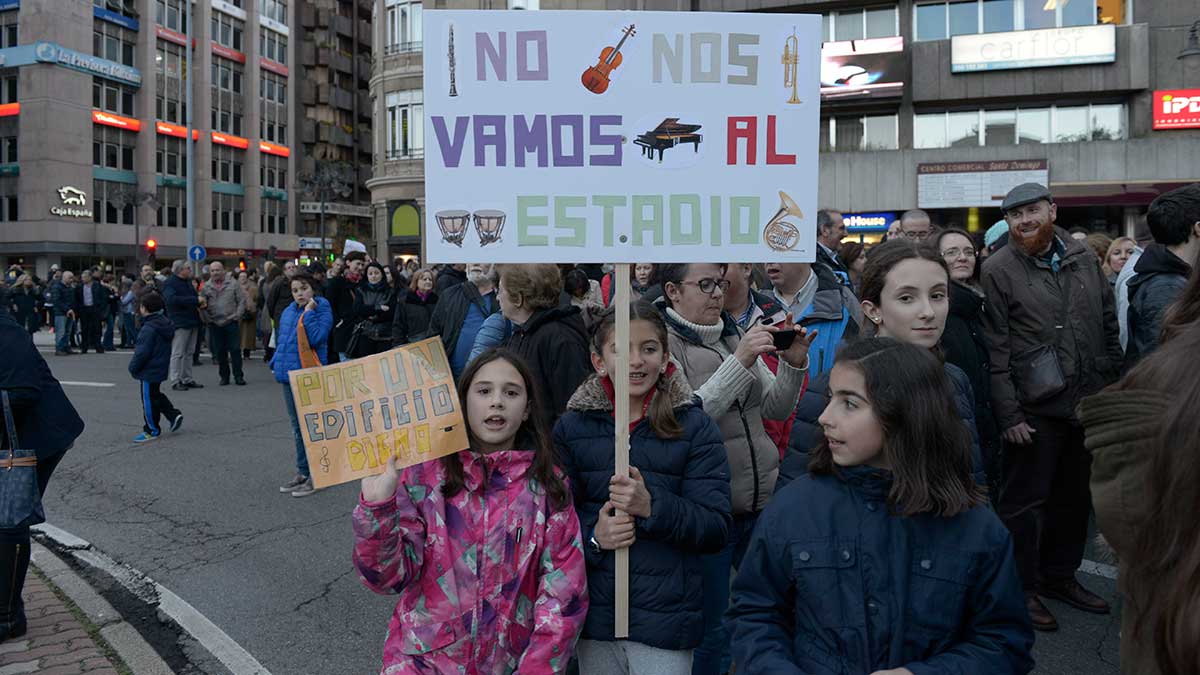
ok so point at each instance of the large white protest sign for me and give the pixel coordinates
(620, 136)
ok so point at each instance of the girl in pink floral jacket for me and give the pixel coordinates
(482, 546)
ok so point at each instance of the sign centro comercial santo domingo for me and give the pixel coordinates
(1033, 48)
(1177, 109)
(949, 185)
(620, 136)
(72, 203)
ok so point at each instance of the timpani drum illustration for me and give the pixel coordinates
(489, 223)
(453, 224)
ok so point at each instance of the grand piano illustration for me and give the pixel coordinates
(668, 134)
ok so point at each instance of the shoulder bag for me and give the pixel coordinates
(20, 498)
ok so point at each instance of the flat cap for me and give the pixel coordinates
(1025, 193)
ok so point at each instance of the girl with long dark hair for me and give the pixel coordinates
(482, 546)
(671, 508)
(883, 558)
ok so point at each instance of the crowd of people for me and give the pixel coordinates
(883, 461)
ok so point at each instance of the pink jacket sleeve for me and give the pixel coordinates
(389, 542)
(562, 600)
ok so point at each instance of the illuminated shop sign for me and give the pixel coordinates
(230, 140)
(862, 68)
(109, 119)
(1177, 109)
(1033, 48)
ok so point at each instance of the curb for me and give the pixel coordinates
(224, 651)
(122, 637)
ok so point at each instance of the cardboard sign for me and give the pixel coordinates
(595, 136)
(355, 414)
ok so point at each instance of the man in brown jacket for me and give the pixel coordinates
(1051, 326)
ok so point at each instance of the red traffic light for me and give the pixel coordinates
(151, 244)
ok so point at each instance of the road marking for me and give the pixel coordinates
(1098, 569)
(216, 641)
(70, 383)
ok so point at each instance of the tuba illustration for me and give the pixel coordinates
(791, 63)
(779, 234)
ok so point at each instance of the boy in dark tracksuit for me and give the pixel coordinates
(149, 365)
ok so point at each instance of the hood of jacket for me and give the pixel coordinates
(1071, 248)
(593, 396)
(560, 314)
(965, 302)
(827, 304)
(1158, 259)
(497, 468)
(161, 324)
(1113, 417)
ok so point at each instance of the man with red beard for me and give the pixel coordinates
(1051, 324)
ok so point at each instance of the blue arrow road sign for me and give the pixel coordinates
(197, 253)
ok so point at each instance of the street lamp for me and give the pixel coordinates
(1193, 42)
(324, 185)
(131, 196)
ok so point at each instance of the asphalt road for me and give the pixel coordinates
(199, 512)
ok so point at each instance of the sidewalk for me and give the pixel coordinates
(57, 643)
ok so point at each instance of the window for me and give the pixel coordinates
(8, 209)
(170, 14)
(272, 45)
(168, 102)
(169, 157)
(107, 203)
(273, 9)
(8, 29)
(273, 219)
(226, 164)
(117, 7)
(403, 26)
(172, 206)
(227, 212)
(112, 148)
(273, 172)
(275, 132)
(227, 75)
(856, 24)
(227, 31)
(1056, 124)
(939, 20)
(8, 89)
(847, 134)
(113, 42)
(227, 122)
(8, 149)
(273, 87)
(405, 125)
(112, 97)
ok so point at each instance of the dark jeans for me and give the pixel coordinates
(712, 656)
(1046, 500)
(110, 322)
(89, 329)
(128, 331)
(301, 456)
(225, 342)
(155, 405)
(45, 467)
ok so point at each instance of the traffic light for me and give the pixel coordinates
(241, 264)
(151, 250)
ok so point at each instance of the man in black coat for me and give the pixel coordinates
(1163, 269)
(46, 423)
(462, 310)
(91, 298)
(339, 291)
(449, 277)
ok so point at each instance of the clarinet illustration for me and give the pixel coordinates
(453, 89)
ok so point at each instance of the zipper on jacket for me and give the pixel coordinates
(753, 453)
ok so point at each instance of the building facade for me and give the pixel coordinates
(64, 205)
(335, 123)
(934, 104)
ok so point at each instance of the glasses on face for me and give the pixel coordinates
(916, 235)
(708, 286)
(954, 253)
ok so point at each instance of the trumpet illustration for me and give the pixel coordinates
(779, 234)
(791, 64)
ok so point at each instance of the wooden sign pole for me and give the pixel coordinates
(620, 380)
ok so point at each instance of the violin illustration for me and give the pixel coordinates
(595, 78)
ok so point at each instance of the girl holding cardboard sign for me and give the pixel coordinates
(673, 507)
(483, 545)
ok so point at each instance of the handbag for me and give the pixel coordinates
(20, 498)
(1038, 371)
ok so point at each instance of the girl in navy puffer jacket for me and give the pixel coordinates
(672, 507)
(883, 559)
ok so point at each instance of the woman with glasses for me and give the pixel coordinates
(724, 365)
(963, 343)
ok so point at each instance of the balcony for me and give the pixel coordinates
(401, 48)
(342, 99)
(342, 62)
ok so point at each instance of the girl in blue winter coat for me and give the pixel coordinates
(311, 317)
(882, 559)
(672, 507)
